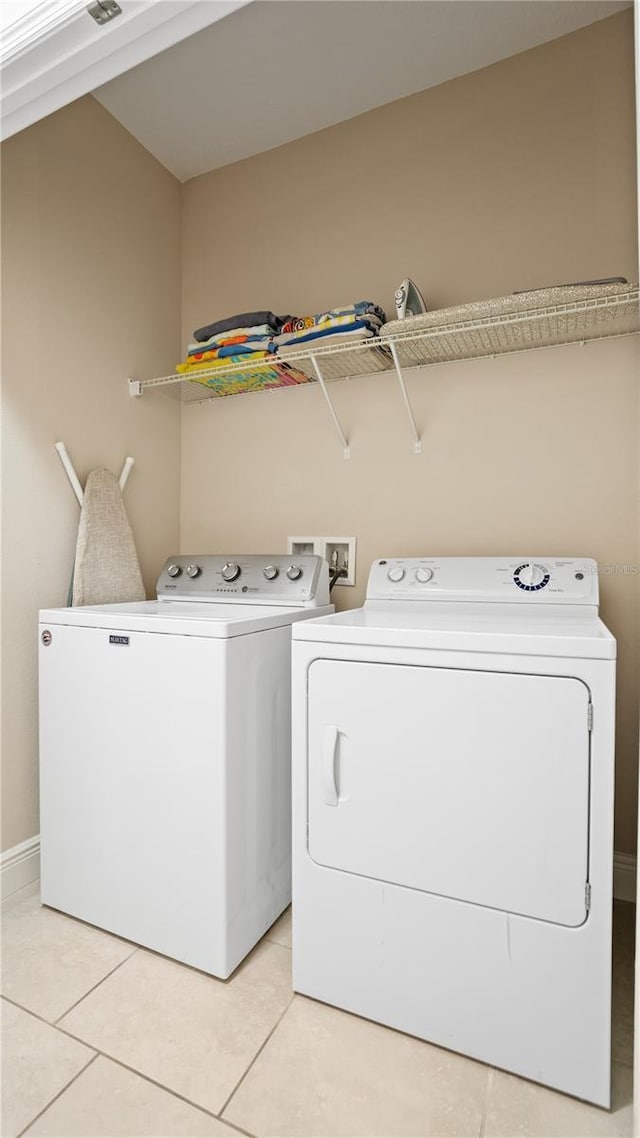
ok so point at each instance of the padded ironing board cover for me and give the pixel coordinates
(106, 567)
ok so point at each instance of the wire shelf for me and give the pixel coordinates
(465, 333)
(293, 369)
(595, 318)
(580, 321)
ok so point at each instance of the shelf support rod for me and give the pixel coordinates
(343, 438)
(417, 444)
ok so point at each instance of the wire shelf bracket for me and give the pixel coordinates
(343, 438)
(417, 442)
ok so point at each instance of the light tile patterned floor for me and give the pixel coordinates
(105, 1040)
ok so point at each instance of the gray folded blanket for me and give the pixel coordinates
(242, 320)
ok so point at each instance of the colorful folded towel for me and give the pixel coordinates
(332, 338)
(337, 326)
(242, 320)
(261, 331)
(252, 379)
(233, 349)
(363, 309)
(206, 365)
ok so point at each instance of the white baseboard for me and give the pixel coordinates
(20, 866)
(624, 877)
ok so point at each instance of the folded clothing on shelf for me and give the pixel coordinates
(247, 335)
(245, 321)
(255, 336)
(364, 318)
(232, 348)
(259, 335)
(327, 337)
(191, 367)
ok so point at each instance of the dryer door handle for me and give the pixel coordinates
(328, 786)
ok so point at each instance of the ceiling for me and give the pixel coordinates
(53, 51)
(272, 72)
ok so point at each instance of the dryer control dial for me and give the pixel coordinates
(531, 577)
(230, 571)
(294, 572)
(174, 570)
(193, 571)
(396, 574)
(423, 575)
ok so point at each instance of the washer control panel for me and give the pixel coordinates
(546, 580)
(273, 579)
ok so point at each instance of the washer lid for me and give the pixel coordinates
(182, 618)
(572, 631)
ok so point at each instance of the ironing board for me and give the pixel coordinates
(106, 568)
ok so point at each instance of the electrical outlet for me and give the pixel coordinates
(340, 552)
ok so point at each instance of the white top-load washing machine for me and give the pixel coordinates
(453, 811)
(165, 755)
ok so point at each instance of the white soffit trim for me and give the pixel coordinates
(57, 52)
(26, 23)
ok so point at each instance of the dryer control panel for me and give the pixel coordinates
(259, 579)
(533, 580)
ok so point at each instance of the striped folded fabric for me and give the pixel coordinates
(364, 318)
(206, 365)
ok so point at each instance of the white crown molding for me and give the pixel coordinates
(39, 22)
(69, 54)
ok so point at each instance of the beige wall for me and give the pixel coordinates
(519, 175)
(91, 295)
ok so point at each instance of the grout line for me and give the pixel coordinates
(171, 1091)
(60, 1092)
(101, 981)
(97, 1053)
(272, 940)
(487, 1094)
(255, 1057)
(28, 1011)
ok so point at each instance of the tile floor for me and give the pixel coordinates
(105, 1040)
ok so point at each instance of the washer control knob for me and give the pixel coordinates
(270, 572)
(174, 570)
(424, 575)
(193, 571)
(531, 577)
(396, 574)
(230, 571)
(294, 572)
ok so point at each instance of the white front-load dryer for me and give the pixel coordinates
(453, 808)
(165, 755)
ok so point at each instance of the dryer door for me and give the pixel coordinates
(472, 785)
